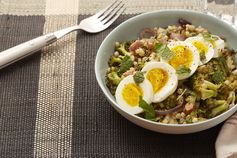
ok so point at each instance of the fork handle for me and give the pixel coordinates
(20, 51)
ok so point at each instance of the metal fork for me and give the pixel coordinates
(92, 24)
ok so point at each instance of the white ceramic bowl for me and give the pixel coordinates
(130, 29)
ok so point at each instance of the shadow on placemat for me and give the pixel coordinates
(99, 131)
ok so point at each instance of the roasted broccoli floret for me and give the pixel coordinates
(197, 80)
(208, 85)
(114, 78)
(114, 61)
(207, 93)
(191, 99)
(123, 48)
(205, 88)
(120, 53)
(220, 107)
(233, 85)
(231, 98)
(216, 106)
(208, 90)
(212, 103)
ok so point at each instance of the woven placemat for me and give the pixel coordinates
(50, 103)
(19, 87)
(33, 124)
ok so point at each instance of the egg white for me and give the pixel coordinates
(171, 84)
(194, 63)
(147, 94)
(220, 45)
(210, 51)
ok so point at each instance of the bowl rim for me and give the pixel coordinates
(99, 80)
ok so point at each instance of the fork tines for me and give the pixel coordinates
(111, 13)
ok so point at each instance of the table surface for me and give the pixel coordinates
(50, 103)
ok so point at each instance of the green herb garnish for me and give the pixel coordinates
(223, 64)
(218, 76)
(149, 110)
(125, 64)
(138, 77)
(182, 69)
(202, 55)
(164, 51)
(221, 70)
(207, 36)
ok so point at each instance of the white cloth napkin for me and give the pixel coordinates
(226, 143)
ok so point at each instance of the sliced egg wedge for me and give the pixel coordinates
(185, 55)
(128, 94)
(163, 79)
(205, 48)
(218, 45)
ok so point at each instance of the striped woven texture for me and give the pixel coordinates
(50, 103)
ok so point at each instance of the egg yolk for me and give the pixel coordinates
(183, 56)
(201, 47)
(158, 78)
(131, 93)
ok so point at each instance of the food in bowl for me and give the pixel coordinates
(175, 75)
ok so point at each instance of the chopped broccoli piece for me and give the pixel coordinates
(207, 93)
(196, 81)
(212, 103)
(188, 119)
(221, 106)
(201, 112)
(114, 61)
(209, 85)
(114, 78)
(138, 77)
(191, 99)
(219, 102)
(216, 106)
(139, 66)
(125, 64)
(224, 90)
(231, 98)
(123, 48)
(208, 90)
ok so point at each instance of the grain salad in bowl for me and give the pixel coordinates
(179, 74)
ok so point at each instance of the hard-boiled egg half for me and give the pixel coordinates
(218, 45)
(185, 55)
(205, 48)
(128, 94)
(163, 79)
